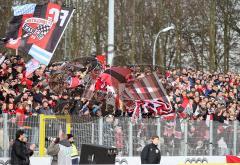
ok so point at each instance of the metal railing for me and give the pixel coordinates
(177, 138)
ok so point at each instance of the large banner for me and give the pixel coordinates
(37, 29)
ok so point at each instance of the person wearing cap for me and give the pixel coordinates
(74, 154)
(20, 152)
(53, 150)
(61, 150)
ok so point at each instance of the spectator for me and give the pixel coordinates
(20, 152)
(46, 110)
(74, 154)
(207, 93)
(150, 153)
(53, 150)
(62, 149)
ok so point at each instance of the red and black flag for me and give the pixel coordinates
(37, 29)
(146, 88)
(149, 95)
(113, 76)
(153, 107)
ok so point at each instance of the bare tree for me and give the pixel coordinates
(206, 36)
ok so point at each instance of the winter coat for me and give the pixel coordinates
(53, 150)
(61, 153)
(150, 154)
(20, 153)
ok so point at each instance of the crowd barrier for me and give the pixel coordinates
(177, 138)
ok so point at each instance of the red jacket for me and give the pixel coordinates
(28, 82)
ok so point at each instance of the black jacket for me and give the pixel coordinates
(20, 153)
(150, 154)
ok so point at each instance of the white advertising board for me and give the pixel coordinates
(33, 160)
(171, 160)
(166, 160)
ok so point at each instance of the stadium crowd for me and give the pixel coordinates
(210, 95)
(214, 95)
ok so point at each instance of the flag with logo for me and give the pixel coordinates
(37, 29)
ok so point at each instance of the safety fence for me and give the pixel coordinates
(177, 138)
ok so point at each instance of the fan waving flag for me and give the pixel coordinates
(37, 29)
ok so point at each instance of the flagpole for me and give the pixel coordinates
(110, 52)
